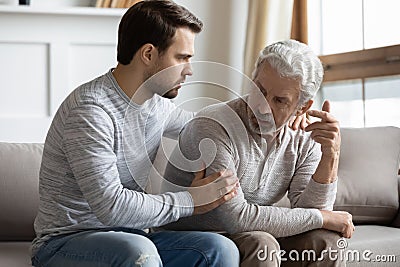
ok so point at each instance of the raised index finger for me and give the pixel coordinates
(326, 106)
(323, 115)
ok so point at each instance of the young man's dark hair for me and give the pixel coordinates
(154, 22)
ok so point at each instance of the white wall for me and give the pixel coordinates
(52, 3)
(222, 40)
(223, 36)
(46, 53)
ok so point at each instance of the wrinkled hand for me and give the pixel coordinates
(212, 191)
(299, 122)
(338, 221)
(327, 131)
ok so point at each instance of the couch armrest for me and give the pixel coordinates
(19, 197)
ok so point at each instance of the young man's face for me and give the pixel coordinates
(273, 102)
(178, 54)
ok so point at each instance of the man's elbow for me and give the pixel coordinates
(108, 212)
(107, 217)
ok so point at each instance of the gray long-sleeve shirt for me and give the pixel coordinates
(220, 135)
(96, 160)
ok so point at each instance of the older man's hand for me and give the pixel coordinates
(338, 221)
(327, 131)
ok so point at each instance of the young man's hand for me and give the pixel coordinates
(299, 122)
(212, 191)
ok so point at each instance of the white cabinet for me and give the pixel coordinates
(45, 52)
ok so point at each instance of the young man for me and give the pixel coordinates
(251, 136)
(93, 210)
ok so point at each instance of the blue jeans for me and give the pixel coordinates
(127, 247)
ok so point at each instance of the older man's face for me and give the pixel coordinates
(274, 101)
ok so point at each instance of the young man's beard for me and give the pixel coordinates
(158, 81)
(171, 94)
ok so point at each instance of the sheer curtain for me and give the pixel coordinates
(268, 21)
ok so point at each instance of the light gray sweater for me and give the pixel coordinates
(86, 180)
(222, 132)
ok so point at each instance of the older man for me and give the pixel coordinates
(250, 135)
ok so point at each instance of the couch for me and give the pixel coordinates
(19, 198)
(368, 188)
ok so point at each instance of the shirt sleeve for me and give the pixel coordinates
(304, 192)
(88, 144)
(176, 120)
(236, 215)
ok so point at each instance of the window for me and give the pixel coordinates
(359, 44)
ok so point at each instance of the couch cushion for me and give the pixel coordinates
(368, 179)
(15, 254)
(377, 243)
(19, 172)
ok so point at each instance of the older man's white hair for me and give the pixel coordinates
(294, 60)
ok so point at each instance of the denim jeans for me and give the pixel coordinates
(124, 247)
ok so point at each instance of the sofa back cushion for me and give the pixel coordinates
(19, 179)
(368, 174)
